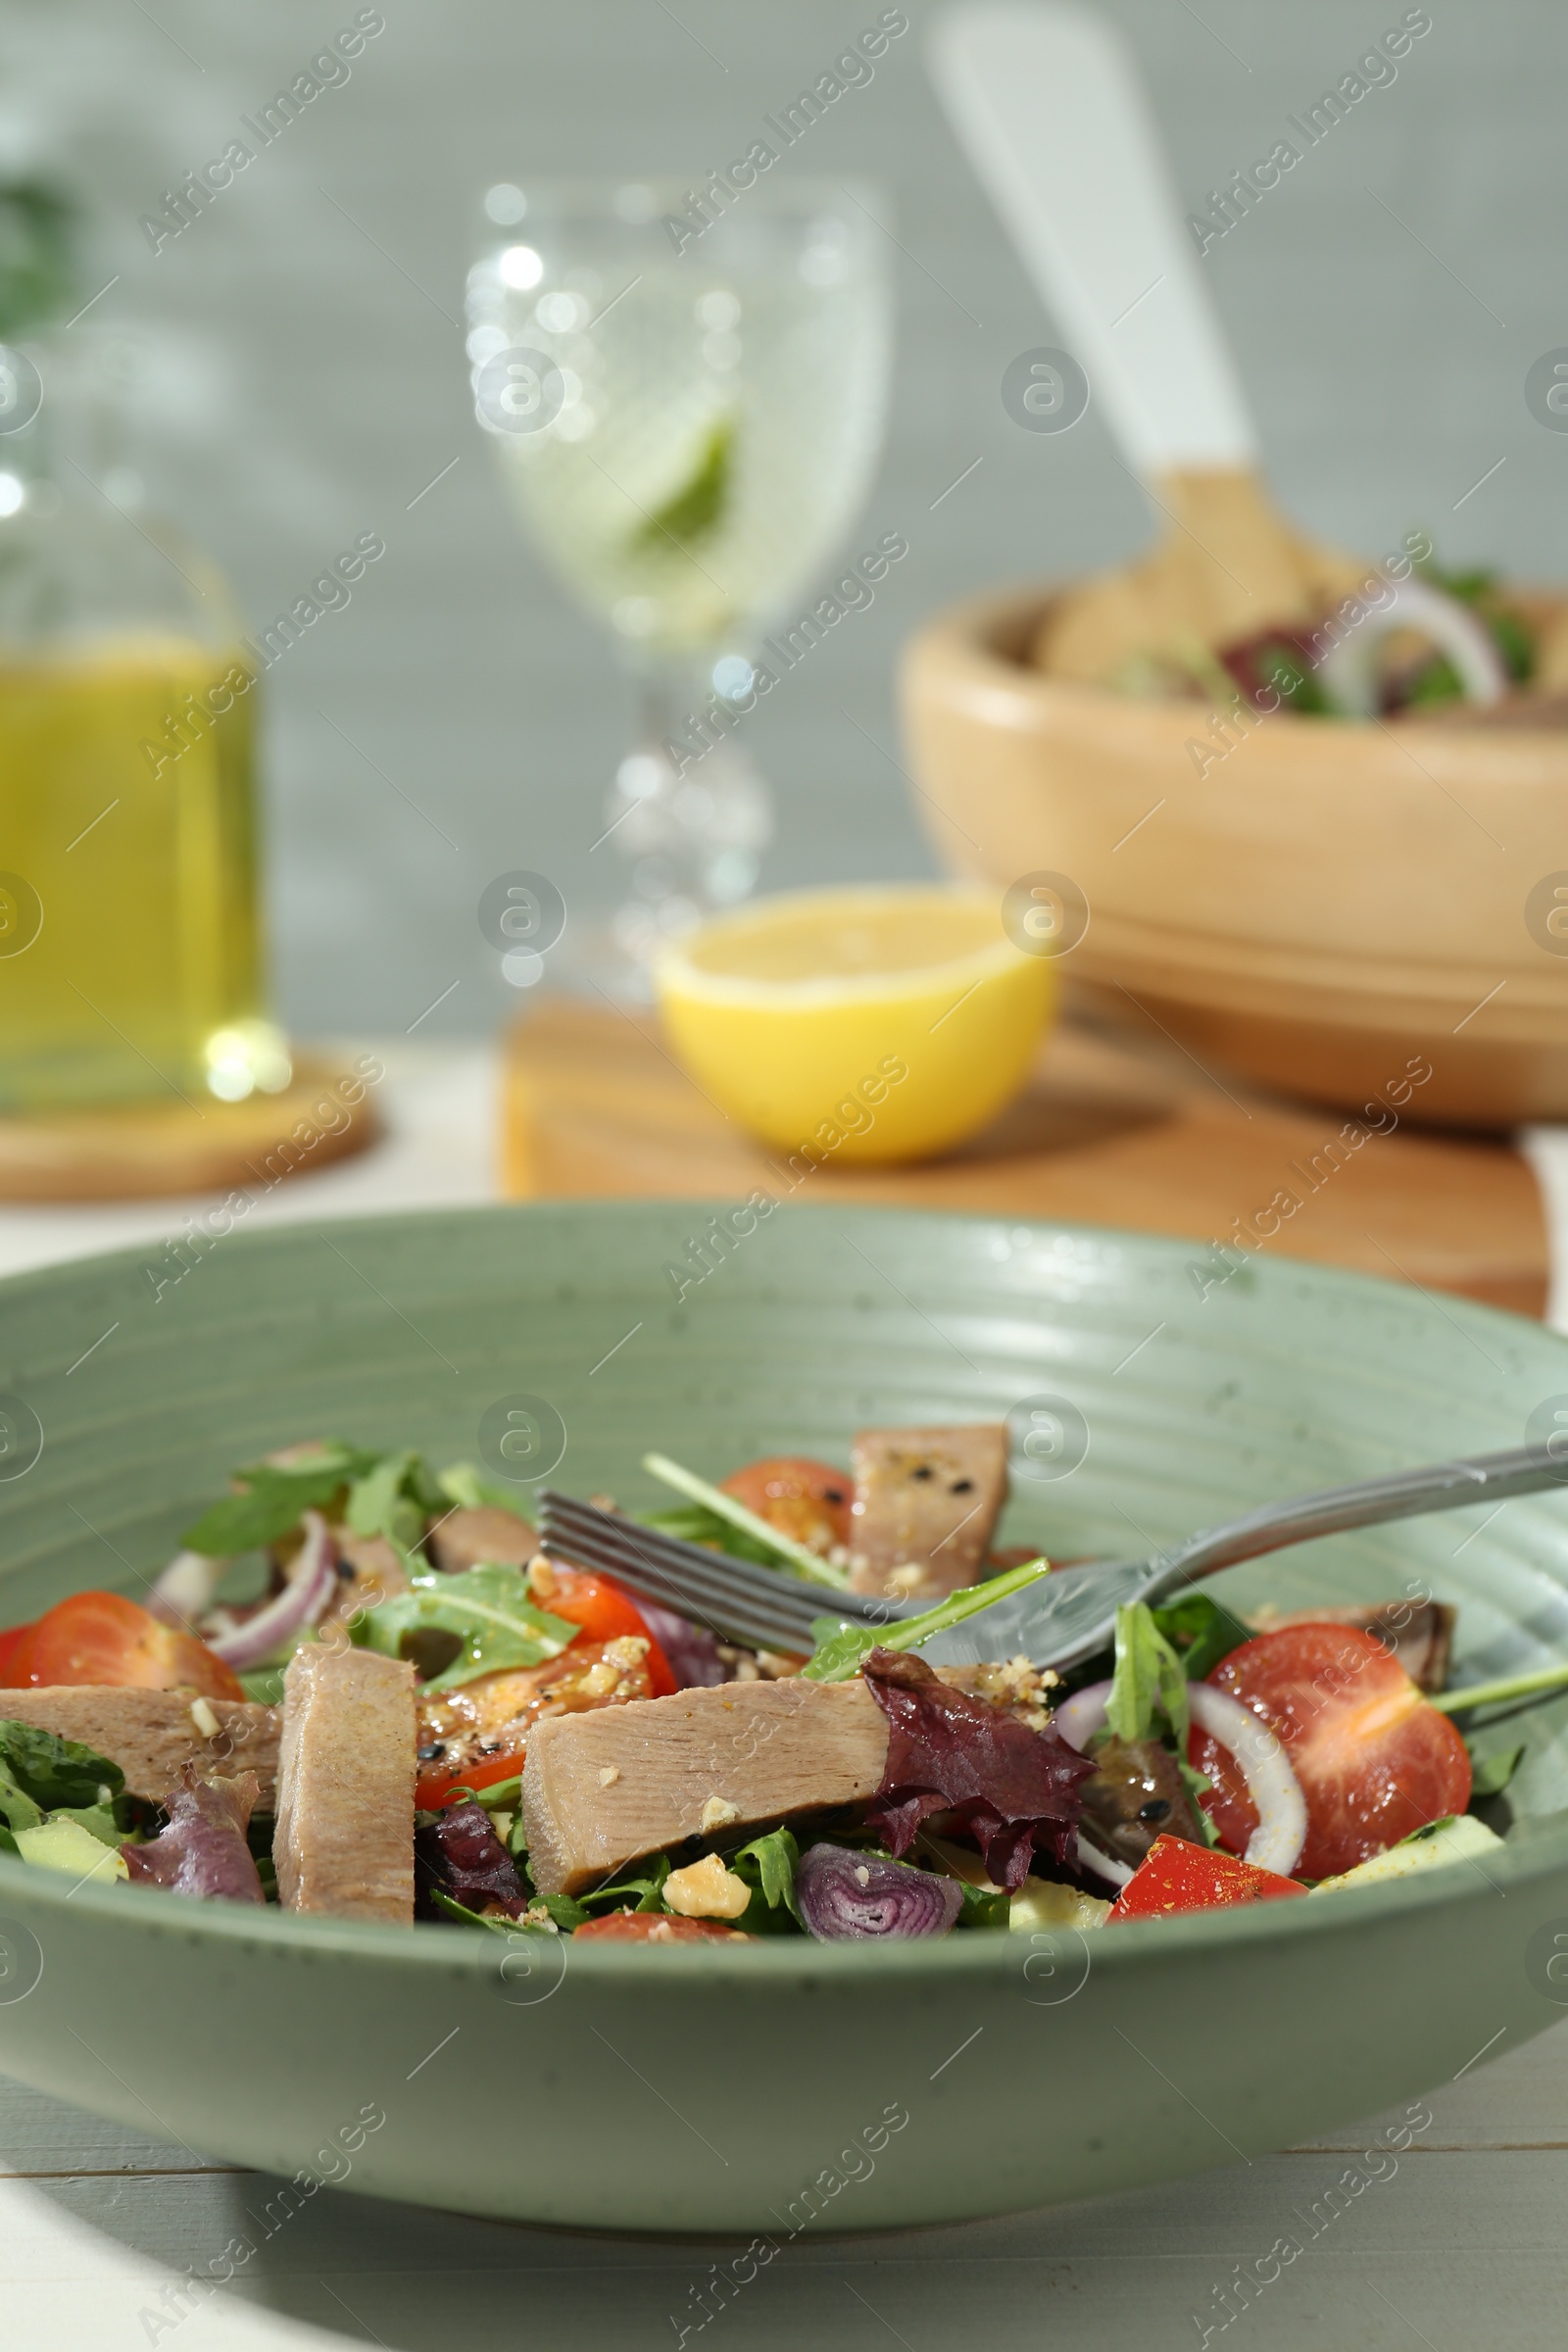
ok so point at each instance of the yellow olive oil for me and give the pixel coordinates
(129, 949)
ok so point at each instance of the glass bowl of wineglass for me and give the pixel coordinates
(685, 390)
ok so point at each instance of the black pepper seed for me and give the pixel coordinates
(961, 1485)
(428, 1755)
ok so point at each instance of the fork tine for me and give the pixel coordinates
(758, 1604)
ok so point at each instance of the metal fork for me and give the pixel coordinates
(1064, 1618)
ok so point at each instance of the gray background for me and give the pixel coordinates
(1385, 301)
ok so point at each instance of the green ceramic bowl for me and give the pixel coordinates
(787, 2086)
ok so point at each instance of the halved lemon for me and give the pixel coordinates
(859, 1024)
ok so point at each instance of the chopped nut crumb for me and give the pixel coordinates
(206, 1722)
(904, 1579)
(863, 1874)
(608, 1775)
(603, 1502)
(747, 1670)
(538, 1917)
(542, 1577)
(1014, 1685)
(627, 1651)
(706, 1889)
(776, 1665)
(601, 1680)
(716, 1811)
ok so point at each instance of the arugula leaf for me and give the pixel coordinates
(799, 1556)
(564, 1909)
(1149, 1676)
(984, 1907)
(274, 1499)
(469, 1488)
(767, 1866)
(841, 1646)
(1202, 1631)
(264, 1685)
(1492, 1774)
(378, 1505)
(55, 1772)
(488, 1609)
(649, 1890)
(17, 1807)
(477, 1919)
(501, 1797)
(1197, 1785)
(696, 1524)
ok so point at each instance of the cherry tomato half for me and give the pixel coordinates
(604, 1612)
(104, 1637)
(1176, 1875)
(482, 1725)
(11, 1642)
(1374, 1759)
(654, 1927)
(804, 1498)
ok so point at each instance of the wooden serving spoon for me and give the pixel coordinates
(1048, 106)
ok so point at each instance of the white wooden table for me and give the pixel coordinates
(1464, 2243)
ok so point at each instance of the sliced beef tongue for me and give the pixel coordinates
(926, 1503)
(343, 1843)
(1137, 1794)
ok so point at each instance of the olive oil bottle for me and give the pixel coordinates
(131, 953)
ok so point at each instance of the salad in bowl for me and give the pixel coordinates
(412, 1713)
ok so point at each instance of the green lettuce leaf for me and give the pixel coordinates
(1148, 1677)
(487, 1610)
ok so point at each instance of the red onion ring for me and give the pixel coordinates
(185, 1588)
(310, 1583)
(1348, 670)
(1080, 1717)
(1271, 1782)
(1103, 1866)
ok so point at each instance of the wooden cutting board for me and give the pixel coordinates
(165, 1150)
(1114, 1128)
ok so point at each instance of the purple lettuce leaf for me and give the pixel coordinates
(457, 1853)
(1014, 1790)
(203, 1851)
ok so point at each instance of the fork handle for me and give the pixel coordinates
(1369, 1502)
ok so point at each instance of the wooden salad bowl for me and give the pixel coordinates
(1324, 905)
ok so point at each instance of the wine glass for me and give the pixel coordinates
(686, 395)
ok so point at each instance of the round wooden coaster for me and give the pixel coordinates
(149, 1151)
